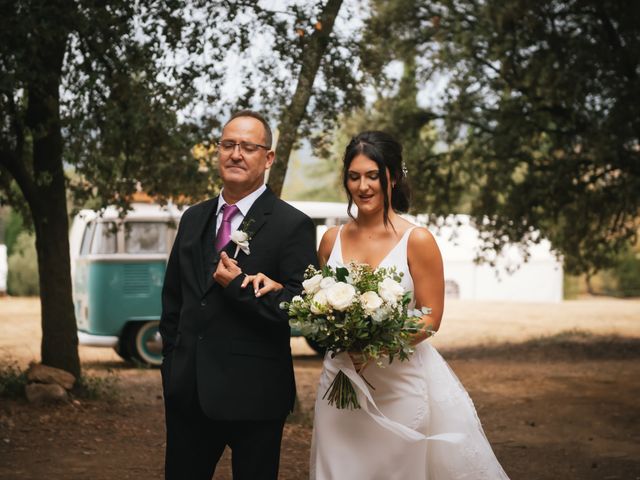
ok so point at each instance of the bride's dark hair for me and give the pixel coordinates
(383, 149)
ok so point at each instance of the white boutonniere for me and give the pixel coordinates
(241, 238)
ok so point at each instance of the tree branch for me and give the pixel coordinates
(294, 113)
(11, 163)
(629, 67)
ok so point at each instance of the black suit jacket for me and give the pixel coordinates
(224, 344)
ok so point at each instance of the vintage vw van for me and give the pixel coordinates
(118, 266)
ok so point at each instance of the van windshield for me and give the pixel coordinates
(145, 237)
(105, 238)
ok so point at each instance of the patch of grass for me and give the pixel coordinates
(97, 388)
(12, 381)
(140, 365)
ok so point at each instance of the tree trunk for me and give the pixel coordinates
(47, 200)
(294, 113)
(59, 347)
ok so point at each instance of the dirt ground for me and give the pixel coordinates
(556, 386)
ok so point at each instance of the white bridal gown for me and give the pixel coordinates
(419, 423)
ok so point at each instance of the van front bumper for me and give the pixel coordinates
(90, 340)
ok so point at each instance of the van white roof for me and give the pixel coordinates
(138, 211)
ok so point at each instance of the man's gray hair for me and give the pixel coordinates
(268, 137)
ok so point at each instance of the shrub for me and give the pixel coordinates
(13, 227)
(571, 286)
(12, 381)
(627, 274)
(22, 278)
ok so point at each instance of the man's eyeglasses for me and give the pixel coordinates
(228, 146)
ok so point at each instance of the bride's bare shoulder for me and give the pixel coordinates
(422, 243)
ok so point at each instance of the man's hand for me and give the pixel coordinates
(227, 270)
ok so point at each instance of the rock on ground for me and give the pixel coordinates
(45, 393)
(45, 374)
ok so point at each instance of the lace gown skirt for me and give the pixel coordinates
(419, 423)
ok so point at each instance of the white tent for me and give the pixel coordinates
(540, 279)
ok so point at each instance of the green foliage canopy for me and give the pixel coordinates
(539, 115)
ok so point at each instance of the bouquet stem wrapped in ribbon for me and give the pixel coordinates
(355, 309)
(341, 393)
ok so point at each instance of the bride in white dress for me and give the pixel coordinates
(416, 421)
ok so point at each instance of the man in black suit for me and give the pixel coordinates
(227, 372)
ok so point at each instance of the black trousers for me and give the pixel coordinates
(195, 443)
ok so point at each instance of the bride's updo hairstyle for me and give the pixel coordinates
(383, 149)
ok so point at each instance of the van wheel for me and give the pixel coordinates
(315, 346)
(145, 344)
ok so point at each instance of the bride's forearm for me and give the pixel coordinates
(428, 329)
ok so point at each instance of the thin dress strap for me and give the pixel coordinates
(335, 257)
(398, 257)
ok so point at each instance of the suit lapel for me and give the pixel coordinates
(252, 223)
(199, 258)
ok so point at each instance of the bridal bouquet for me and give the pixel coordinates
(355, 309)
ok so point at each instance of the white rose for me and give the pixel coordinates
(312, 285)
(297, 298)
(340, 295)
(319, 302)
(381, 314)
(390, 290)
(370, 302)
(327, 282)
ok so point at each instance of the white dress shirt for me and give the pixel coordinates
(243, 206)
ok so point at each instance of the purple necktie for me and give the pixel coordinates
(224, 232)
